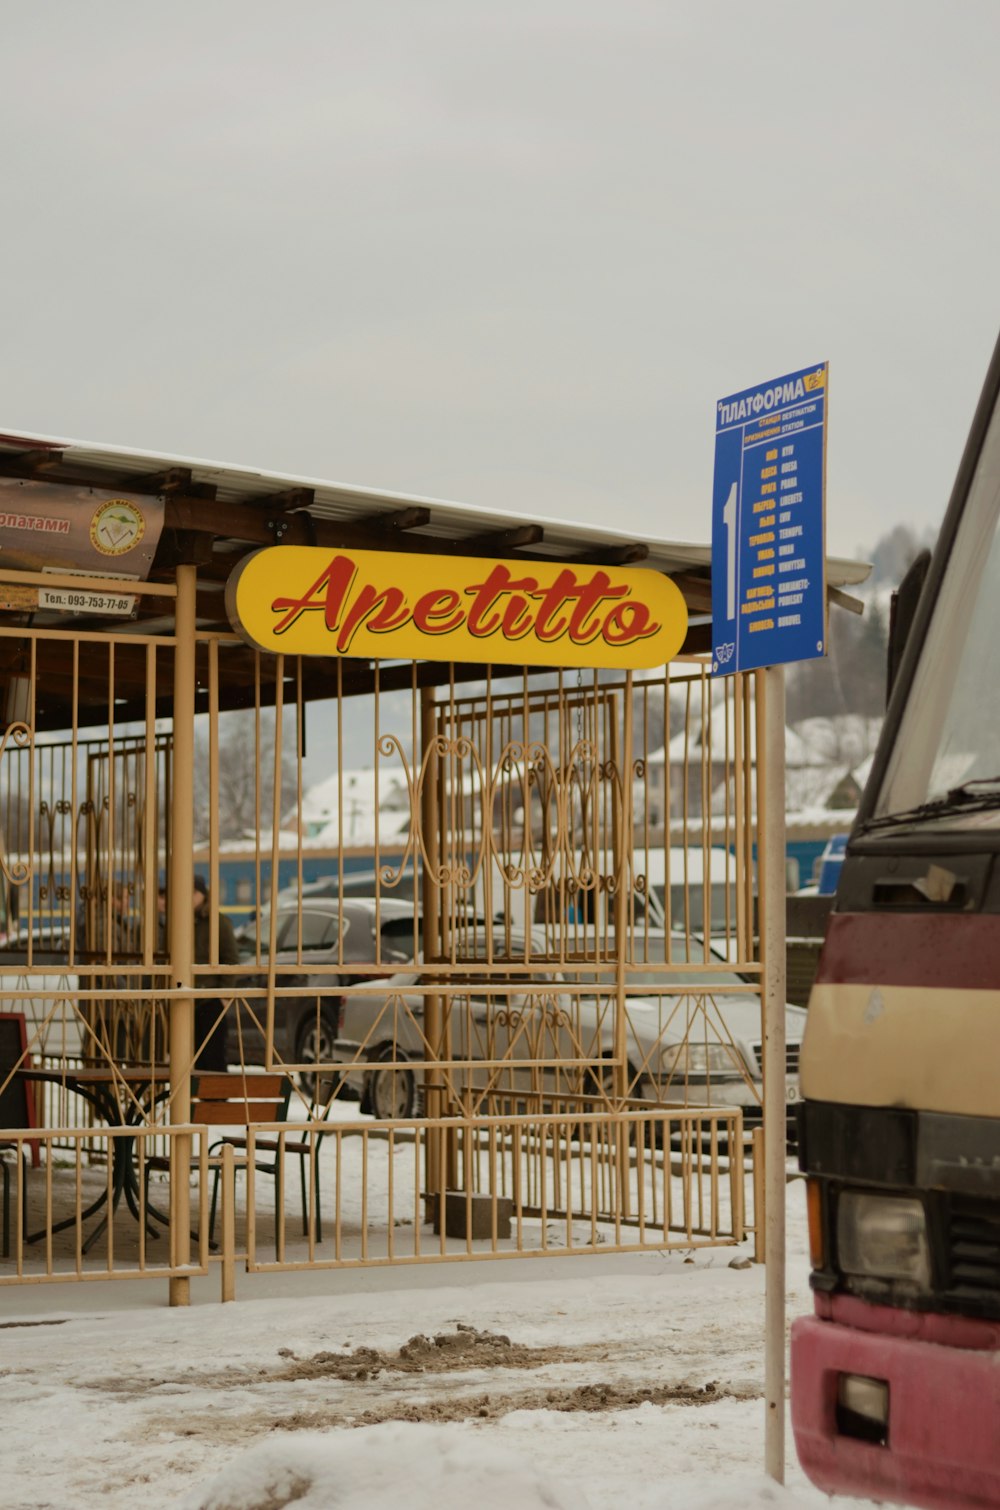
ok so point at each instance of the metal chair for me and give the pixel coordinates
(278, 1148)
(238, 1100)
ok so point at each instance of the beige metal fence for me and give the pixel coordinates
(544, 1008)
(90, 1209)
(525, 1184)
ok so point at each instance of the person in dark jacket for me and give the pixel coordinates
(211, 1045)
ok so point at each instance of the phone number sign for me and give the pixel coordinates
(768, 524)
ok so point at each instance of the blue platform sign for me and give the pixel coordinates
(768, 524)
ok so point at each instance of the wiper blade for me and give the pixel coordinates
(978, 795)
(980, 788)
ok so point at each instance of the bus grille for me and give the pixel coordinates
(974, 1247)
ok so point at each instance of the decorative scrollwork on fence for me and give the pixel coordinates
(531, 764)
(457, 868)
(16, 736)
(391, 875)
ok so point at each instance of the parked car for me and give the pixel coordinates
(701, 1046)
(697, 886)
(709, 1050)
(388, 1023)
(335, 936)
(356, 883)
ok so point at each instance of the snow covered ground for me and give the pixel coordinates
(632, 1380)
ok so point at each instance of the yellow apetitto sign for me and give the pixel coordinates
(311, 600)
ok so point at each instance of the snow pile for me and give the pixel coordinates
(445, 1468)
(383, 1468)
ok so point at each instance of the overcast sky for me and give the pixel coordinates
(504, 253)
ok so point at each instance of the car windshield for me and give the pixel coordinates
(945, 765)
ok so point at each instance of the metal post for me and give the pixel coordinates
(621, 852)
(213, 804)
(759, 1201)
(228, 1182)
(182, 1044)
(150, 839)
(429, 820)
(272, 954)
(771, 877)
(621, 826)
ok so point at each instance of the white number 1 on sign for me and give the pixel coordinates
(729, 520)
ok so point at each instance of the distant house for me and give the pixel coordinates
(347, 807)
(699, 762)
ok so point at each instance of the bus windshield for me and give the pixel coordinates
(945, 765)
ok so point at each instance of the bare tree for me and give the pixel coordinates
(245, 778)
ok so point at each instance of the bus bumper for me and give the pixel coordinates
(942, 1443)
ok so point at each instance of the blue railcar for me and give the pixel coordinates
(245, 880)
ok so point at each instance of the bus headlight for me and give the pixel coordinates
(700, 1061)
(884, 1237)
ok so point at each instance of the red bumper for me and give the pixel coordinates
(943, 1446)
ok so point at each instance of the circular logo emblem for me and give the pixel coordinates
(116, 527)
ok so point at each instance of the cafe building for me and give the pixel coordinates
(510, 1023)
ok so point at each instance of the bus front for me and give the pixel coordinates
(896, 1375)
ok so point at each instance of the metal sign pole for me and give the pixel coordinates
(771, 875)
(768, 609)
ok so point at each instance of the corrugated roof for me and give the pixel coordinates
(346, 502)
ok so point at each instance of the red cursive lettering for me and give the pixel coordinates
(485, 594)
(386, 610)
(334, 584)
(438, 612)
(628, 622)
(592, 595)
(581, 604)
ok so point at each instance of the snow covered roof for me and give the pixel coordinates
(357, 797)
(811, 787)
(360, 828)
(354, 789)
(799, 753)
(846, 739)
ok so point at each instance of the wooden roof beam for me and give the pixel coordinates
(30, 464)
(232, 521)
(49, 466)
(170, 481)
(698, 640)
(236, 521)
(281, 503)
(697, 590)
(495, 542)
(397, 519)
(608, 555)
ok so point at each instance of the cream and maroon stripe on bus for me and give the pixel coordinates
(905, 1012)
